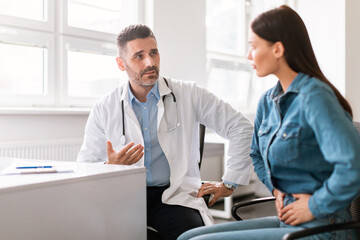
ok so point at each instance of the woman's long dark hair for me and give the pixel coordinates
(284, 25)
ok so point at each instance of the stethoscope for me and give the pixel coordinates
(170, 129)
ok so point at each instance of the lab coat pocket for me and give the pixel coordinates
(285, 147)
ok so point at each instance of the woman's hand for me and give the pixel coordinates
(297, 212)
(279, 202)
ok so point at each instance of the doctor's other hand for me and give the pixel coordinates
(126, 156)
(279, 202)
(216, 188)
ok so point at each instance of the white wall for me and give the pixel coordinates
(325, 21)
(180, 29)
(23, 127)
(352, 53)
(334, 31)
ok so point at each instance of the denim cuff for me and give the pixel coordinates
(314, 208)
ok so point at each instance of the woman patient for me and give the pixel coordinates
(305, 148)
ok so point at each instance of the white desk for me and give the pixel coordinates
(96, 201)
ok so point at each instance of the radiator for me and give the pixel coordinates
(54, 149)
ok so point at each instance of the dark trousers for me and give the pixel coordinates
(169, 220)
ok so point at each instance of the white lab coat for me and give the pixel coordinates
(194, 105)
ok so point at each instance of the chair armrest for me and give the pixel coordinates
(206, 198)
(248, 203)
(322, 229)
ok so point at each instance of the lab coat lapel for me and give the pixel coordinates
(132, 126)
(163, 90)
(129, 112)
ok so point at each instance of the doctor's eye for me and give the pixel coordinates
(139, 56)
(154, 53)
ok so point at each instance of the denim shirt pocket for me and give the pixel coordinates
(263, 136)
(285, 147)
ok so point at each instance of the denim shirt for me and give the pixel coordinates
(304, 142)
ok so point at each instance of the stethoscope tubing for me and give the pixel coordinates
(122, 138)
(123, 117)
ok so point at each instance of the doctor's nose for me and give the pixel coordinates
(149, 61)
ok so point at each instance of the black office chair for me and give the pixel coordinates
(354, 210)
(152, 234)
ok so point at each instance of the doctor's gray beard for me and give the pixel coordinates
(137, 78)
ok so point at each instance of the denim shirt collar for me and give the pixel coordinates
(154, 91)
(294, 86)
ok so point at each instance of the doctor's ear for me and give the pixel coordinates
(278, 49)
(120, 63)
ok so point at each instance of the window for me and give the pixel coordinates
(32, 78)
(64, 61)
(11, 8)
(85, 80)
(229, 72)
(101, 15)
(87, 73)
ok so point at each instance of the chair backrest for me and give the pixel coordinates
(355, 209)
(357, 125)
(355, 205)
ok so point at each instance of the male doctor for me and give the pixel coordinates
(163, 115)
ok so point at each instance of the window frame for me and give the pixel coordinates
(232, 61)
(65, 29)
(238, 61)
(82, 45)
(55, 34)
(30, 24)
(27, 38)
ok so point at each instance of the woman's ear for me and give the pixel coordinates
(278, 49)
(120, 63)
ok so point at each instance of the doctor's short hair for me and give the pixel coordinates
(130, 33)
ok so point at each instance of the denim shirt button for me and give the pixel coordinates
(284, 135)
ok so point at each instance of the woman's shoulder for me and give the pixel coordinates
(312, 86)
(318, 95)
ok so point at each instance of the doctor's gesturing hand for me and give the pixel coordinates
(216, 188)
(126, 156)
